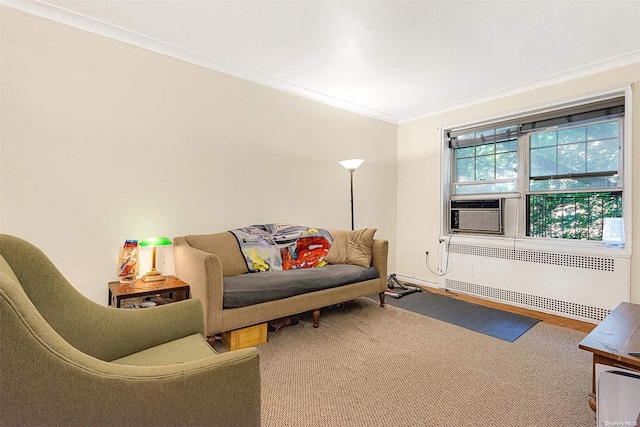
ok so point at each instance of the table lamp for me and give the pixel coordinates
(154, 275)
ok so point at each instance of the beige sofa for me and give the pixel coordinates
(205, 261)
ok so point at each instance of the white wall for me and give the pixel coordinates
(420, 169)
(101, 141)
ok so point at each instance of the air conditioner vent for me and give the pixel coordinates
(476, 204)
(476, 216)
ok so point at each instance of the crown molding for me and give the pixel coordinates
(92, 25)
(564, 76)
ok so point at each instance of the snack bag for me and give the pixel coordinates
(128, 267)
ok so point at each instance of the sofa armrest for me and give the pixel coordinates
(202, 271)
(379, 260)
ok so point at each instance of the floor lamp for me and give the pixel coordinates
(351, 165)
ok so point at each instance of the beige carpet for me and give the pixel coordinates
(372, 366)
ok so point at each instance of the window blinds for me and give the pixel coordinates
(502, 131)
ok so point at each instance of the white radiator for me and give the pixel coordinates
(572, 285)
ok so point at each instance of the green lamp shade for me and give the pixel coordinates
(155, 241)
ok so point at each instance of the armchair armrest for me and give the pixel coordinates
(145, 328)
(111, 333)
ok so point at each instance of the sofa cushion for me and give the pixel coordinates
(192, 347)
(254, 288)
(352, 247)
(225, 246)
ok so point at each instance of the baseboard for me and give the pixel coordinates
(551, 318)
(417, 281)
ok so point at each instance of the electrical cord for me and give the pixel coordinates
(516, 232)
(446, 268)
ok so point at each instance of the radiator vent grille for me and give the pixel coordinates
(541, 257)
(548, 304)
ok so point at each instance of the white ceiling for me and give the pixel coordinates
(393, 60)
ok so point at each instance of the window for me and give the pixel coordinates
(486, 161)
(570, 171)
(571, 215)
(564, 166)
(577, 157)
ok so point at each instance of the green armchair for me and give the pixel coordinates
(66, 360)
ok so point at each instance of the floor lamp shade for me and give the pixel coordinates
(351, 165)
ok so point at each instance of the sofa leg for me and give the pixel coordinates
(381, 294)
(316, 317)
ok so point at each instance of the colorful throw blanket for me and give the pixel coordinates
(275, 247)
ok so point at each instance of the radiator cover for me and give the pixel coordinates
(579, 286)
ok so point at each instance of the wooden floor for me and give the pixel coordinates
(545, 317)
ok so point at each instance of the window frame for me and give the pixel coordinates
(525, 190)
(516, 214)
(526, 157)
(515, 180)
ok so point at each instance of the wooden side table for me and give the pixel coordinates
(612, 340)
(174, 288)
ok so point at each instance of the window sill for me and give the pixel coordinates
(537, 244)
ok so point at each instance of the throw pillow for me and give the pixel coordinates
(360, 247)
(338, 250)
(352, 247)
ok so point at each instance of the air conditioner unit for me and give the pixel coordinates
(476, 216)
